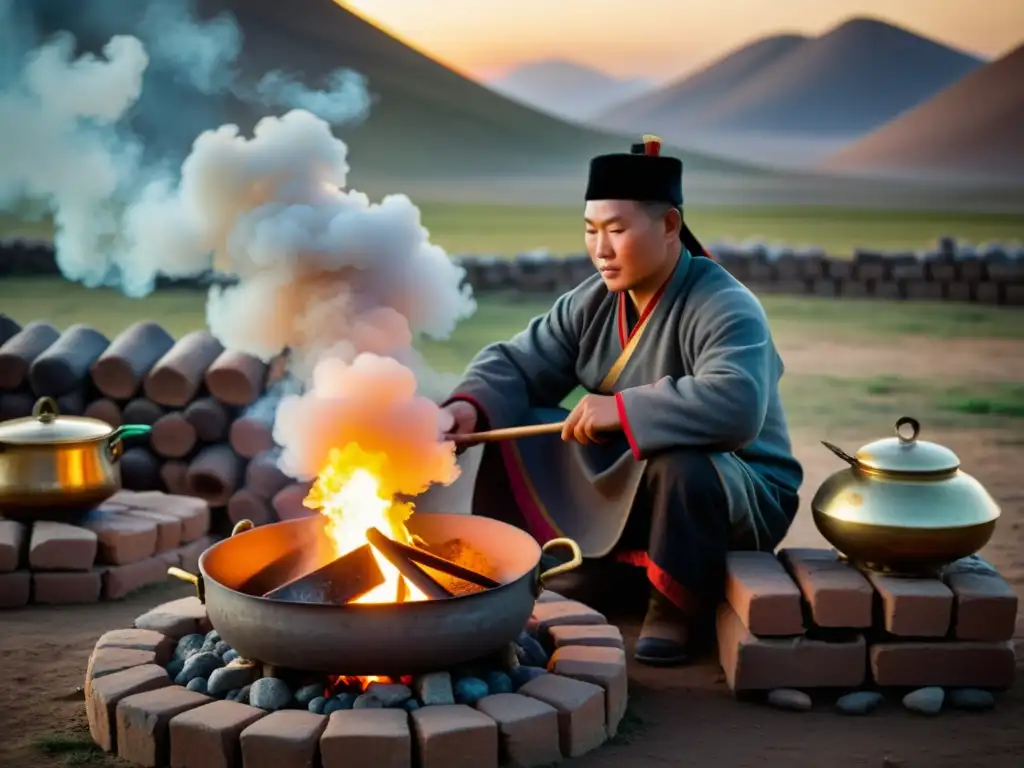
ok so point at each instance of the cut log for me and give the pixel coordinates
(9, 327)
(105, 410)
(215, 473)
(236, 378)
(246, 505)
(178, 376)
(174, 474)
(72, 403)
(263, 477)
(142, 410)
(64, 366)
(338, 582)
(18, 352)
(287, 502)
(251, 435)
(140, 470)
(16, 404)
(209, 418)
(172, 436)
(120, 370)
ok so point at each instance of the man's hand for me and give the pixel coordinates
(463, 418)
(593, 415)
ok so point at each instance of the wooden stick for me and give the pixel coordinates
(445, 566)
(509, 433)
(416, 575)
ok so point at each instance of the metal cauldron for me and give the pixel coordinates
(55, 467)
(904, 505)
(368, 639)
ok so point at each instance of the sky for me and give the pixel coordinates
(662, 39)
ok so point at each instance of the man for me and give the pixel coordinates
(680, 451)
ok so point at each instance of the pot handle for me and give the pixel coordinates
(851, 460)
(573, 564)
(115, 443)
(45, 410)
(915, 429)
(191, 578)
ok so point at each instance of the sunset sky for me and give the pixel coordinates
(662, 38)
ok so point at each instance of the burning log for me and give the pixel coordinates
(9, 327)
(142, 410)
(16, 404)
(119, 371)
(178, 375)
(105, 410)
(341, 581)
(246, 505)
(263, 477)
(172, 436)
(140, 470)
(288, 501)
(214, 474)
(209, 419)
(425, 558)
(174, 475)
(19, 351)
(416, 576)
(64, 366)
(236, 378)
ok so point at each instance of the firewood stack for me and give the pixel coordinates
(211, 409)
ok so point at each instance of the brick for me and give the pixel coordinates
(605, 667)
(121, 580)
(66, 587)
(61, 547)
(923, 290)
(527, 729)
(122, 540)
(108, 661)
(208, 735)
(581, 711)
(985, 605)
(283, 739)
(600, 635)
(193, 512)
(15, 589)
(752, 663)
(191, 552)
(106, 692)
(176, 618)
(988, 293)
(763, 595)
(139, 639)
(562, 613)
(12, 539)
(838, 594)
(143, 723)
(454, 736)
(367, 738)
(168, 526)
(913, 607)
(966, 664)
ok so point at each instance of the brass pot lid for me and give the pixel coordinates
(905, 454)
(47, 426)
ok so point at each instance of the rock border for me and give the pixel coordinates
(136, 711)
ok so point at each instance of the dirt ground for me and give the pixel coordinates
(678, 717)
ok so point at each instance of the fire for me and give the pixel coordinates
(352, 493)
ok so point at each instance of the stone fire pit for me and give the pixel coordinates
(170, 692)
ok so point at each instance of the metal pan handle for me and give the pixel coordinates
(197, 580)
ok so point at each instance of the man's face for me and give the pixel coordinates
(627, 246)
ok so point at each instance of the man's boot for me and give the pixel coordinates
(665, 635)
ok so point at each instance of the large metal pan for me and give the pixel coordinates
(370, 639)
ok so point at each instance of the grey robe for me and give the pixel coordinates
(700, 371)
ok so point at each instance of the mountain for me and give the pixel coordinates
(849, 81)
(671, 106)
(427, 122)
(974, 128)
(567, 89)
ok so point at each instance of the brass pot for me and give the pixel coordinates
(55, 467)
(904, 505)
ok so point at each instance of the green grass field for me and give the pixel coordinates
(510, 229)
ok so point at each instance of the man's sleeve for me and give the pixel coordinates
(722, 406)
(536, 368)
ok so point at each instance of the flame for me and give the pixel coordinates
(352, 493)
